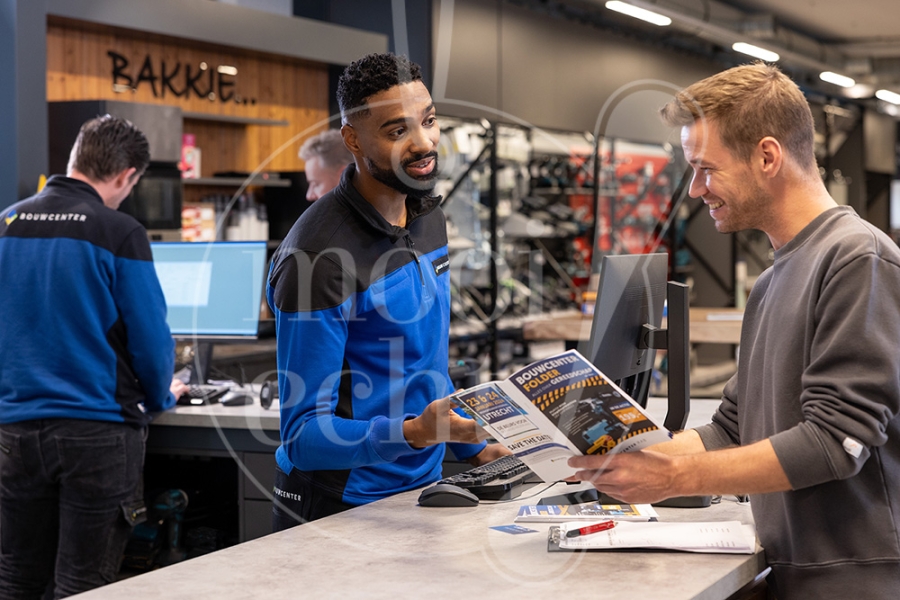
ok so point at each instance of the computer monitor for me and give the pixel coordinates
(213, 293)
(626, 333)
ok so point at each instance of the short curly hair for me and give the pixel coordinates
(370, 75)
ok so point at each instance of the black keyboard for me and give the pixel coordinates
(199, 394)
(502, 479)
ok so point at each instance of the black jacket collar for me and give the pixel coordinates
(348, 195)
(67, 186)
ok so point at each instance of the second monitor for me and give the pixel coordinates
(213, 293)
(626, 329)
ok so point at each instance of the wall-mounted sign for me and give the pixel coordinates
(179, 79)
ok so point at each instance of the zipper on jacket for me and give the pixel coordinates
(411, 245)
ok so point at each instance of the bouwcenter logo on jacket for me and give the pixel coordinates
(11, 216)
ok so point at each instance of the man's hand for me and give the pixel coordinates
(178, 388)
(634, 477)
(491, 452)
(649, 476)
(438, 423)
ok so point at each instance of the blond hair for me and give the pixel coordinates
(748, 103)
(329, 147)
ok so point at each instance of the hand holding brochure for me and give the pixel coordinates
(559, 407)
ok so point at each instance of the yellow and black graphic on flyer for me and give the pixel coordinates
(593, 415)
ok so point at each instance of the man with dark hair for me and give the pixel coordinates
(85, 353)
(808, 426)
(326, 157)
(360, 291)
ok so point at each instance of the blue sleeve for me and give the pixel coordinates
(466, 451)
(310, 363)
(142, 307)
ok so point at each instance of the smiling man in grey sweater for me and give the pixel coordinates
(808, 426)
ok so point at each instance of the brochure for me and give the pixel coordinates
(559, 407)
(590, 511)
(728, 537)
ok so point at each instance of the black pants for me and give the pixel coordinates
(70, 491)
(298, 502)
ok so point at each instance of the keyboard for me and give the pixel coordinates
(199, 394)
(501, 479)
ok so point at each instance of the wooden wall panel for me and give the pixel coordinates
(269, 87)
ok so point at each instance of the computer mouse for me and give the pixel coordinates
(447, 494)
(236, 399)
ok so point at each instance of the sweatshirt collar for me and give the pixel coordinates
(62, 185)
(810, 230)
(347, 193)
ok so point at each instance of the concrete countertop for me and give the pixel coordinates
(396, 549)
(251, 416)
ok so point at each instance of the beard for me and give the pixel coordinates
(752, 211)
(416, 187)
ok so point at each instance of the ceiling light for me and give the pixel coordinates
(755, 51)
(888, 96)
(841, 80)
(638, 13)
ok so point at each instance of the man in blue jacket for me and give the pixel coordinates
(361, 295)
(85, 353)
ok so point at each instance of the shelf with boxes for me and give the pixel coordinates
(223, 198)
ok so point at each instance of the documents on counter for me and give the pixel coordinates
(589, 511)
(727, 537)
(559, 407)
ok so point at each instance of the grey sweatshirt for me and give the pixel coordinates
(819, 375)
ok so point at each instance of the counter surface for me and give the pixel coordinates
(252, 416)
(396, 549)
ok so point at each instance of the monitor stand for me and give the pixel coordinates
(200, 363)
(675, 339)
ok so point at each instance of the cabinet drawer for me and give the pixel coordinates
(262, 467)
(256, 516)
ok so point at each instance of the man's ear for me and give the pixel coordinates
(351, 139)
(769, 156)
(124, 178)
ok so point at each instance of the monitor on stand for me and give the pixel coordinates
(626, 333)
(213, 293)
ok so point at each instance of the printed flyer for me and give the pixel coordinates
(559, 407)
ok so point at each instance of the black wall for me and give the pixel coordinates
(23, 127)
(377, 16)
(554, 73)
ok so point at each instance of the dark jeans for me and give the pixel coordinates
(70, 491)
(298, 502)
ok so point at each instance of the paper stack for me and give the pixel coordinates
(731, 537)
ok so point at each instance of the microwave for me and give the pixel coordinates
(156, 201)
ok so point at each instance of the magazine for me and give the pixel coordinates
(589, 511)
(559, 407)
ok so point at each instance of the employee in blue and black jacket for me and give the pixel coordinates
(361, 295)
(85, 353)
